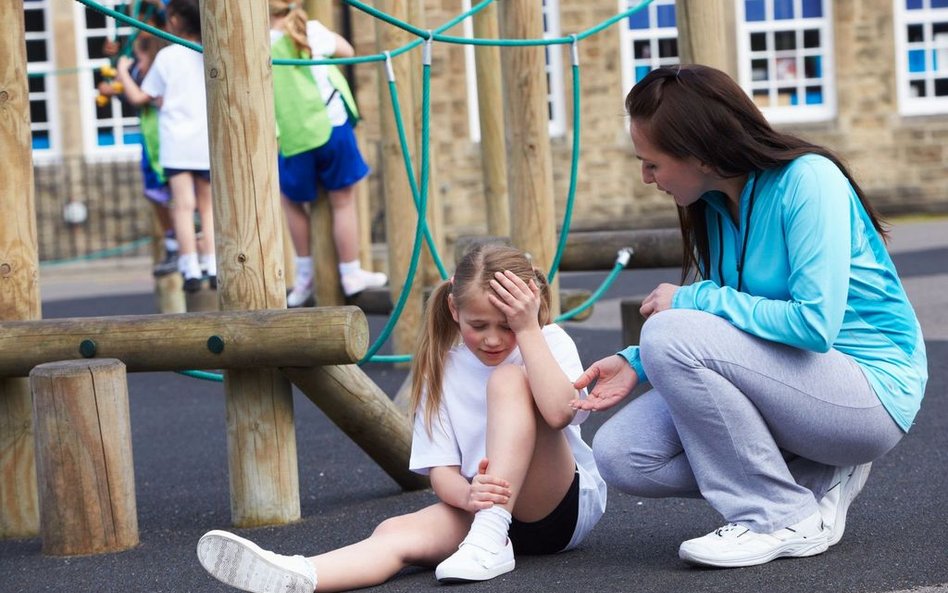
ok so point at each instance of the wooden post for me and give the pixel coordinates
(84, 457)
(364, 412)
(264, 477)
(400, 215)
(19, 277)
(530, 175)
(322, 247)
(490, 110)
(706, 34)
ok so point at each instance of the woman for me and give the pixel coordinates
(791, 362)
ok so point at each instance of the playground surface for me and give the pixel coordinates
(896, 535)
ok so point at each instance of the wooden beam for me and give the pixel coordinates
(19, 276)
(215, 340)
(364, 412)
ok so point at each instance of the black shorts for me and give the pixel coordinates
(552, 533)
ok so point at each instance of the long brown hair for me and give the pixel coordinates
(698, 111)
(440, 332)
(294, 25)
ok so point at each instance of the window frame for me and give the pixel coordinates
(902, 19)
(801, 113)
(628, 37)
(49, 94)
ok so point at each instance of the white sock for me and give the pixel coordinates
(489, 529)
(349, 267)
(188, 265)
(209, 263)
(171, 244)
(304, 271)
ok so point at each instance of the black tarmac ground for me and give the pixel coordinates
(896, 537)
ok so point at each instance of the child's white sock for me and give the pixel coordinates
(304, 271)
(349, 267)
(188, 265)
(171, 244)
(489, 529)
(209, 264)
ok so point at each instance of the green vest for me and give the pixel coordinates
(301, 117)
(148, 122)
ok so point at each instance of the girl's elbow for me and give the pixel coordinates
(559, 419)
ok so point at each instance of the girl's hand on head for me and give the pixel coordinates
(658, 300)
(614, 378)
(487, 490)
(516, 299)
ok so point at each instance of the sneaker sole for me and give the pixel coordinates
(794, 550)
(463, 576)
(238, 563)
(851, 489)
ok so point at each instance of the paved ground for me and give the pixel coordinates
(896, 537)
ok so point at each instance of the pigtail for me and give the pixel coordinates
(439, 335)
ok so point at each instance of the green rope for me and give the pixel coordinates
(207, 376)
(621, 261)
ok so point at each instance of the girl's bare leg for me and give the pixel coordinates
(182, 208)
(345, 223)
(297, 220)
(205, 207)
(422, 538)
(523, 449)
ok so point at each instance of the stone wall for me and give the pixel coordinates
(902, 162)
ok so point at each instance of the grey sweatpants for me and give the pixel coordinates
(754, 427)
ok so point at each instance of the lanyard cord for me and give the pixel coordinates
(743, 254)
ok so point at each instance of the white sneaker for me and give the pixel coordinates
(241, 563)
(847, 483)
(734, 545)
(356, 282)
(473, 563)
(300, 296)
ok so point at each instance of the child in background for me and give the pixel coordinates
(175, 83)
(130, 74)
(494, 431)
(317, 146)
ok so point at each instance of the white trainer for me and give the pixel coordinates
(847, 484)
(734, 545)
(300, 296)
(474, 563)
(240, 563)
(356, 282)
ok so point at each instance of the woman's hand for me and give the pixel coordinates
(486, 490)
(614, 378)
(658, 300)
(517, 300)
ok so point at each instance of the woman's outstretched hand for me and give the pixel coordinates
(614, 378)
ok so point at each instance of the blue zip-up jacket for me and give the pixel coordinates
(816, 276)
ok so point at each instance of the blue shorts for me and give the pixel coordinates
(204, 174)
(334, 165)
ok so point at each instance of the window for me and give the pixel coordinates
(113, 127)
(556, 102)
(785, 58)
(42, 81)
(921, 50)
(649, 39)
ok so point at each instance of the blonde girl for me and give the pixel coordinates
(494, 431)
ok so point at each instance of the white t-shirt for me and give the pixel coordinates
(458, 432)
(177, 76)
(323, 43)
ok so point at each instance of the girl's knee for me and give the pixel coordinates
(508, 379)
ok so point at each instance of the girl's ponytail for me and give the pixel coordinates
(294, 24)
(438, 336)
